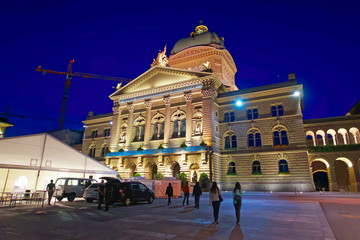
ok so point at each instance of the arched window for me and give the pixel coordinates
(309, 141)
(320, 141)
(273, 111)
(276, 139)
(104, 151)
(232, 117)
(183, 127)
(156, 131)
(139, 129)
(230, 141)
(283, 166)
(257, 140)
(251, 140)
(92, 150)
(280, 110)
(227, 142)
(256, 169)
(227, 117)
(176, 128)
(331, 139)
(232, 168)
(284, 138)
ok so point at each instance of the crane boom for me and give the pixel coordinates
(69, 74)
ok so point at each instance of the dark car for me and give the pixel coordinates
(123, 192)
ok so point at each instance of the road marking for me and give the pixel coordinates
(350, 216)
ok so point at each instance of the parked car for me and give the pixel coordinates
(71, 188)
(126, 193)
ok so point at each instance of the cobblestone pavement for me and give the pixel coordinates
(263, 216)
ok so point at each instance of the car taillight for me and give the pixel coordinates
(63, 191)
(121, 191)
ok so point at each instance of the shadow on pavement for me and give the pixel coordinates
(236, 233)
(206, 232)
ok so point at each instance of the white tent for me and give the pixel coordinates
(29, 162)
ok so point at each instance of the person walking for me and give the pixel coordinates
(101, 189)
(186, 191)
(237, 199)
(50, 188)
(197, 193)
(108, 193)
(169, 192)
(215, 198)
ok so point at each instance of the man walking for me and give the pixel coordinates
(186, 191)
(197, 193)
(108, 193)
(50, 188)
(101, 189)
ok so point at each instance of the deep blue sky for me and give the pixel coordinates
(319, 42)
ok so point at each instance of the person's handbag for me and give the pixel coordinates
(220, 198)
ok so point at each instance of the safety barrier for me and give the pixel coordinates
(9, 199)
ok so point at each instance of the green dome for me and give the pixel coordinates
(203, 39)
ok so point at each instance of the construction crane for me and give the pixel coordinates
(69, 74)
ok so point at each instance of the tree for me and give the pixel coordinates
(137, 175)
(183, 179)
(159, 176)
(204, 181)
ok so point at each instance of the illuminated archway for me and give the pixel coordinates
(345, 174)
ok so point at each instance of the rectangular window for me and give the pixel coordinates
(94, 134)
(232, 117)
(249, 114)
(106, 132)
(255, 113)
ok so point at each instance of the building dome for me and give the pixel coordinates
(201, 37)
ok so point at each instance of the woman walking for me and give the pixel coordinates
(237, 198)
(169, 192)
(215, 198)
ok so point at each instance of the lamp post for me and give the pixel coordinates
(208, 156)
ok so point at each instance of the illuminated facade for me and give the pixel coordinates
(186, 115)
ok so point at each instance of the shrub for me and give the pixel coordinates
(183, 145)
(137, 175)
(204, 181)
(118, 176)
(121, 150)
(159, 176)
(160, 146)
(183, 179)
(140, 148)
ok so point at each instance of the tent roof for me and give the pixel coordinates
(45, 152)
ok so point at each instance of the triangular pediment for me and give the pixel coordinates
(158, 77)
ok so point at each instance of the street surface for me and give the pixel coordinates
(263, 216)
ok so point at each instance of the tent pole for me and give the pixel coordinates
(42, 157)
(7, 176)
(85, 166)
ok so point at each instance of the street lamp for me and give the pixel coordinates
(208, 157)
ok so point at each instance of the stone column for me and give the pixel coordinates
(208, 115)
(188, 136)
(148, 105)
(167, 101)
(115, 129)
(129, 126)
(333, 186)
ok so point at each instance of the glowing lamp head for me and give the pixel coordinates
(239, 103)
(72, 61)
(296, 93)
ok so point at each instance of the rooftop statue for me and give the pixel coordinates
(162, 59)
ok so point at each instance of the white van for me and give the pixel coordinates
(71, 187)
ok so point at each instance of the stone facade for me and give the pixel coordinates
(162, 120)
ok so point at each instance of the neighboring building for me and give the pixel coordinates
(4, 124)
(163, 119)
(72, 138)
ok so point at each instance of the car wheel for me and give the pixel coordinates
(89, 200)
(71, 197)
(127, 202)
(151, 199)
(59, 199)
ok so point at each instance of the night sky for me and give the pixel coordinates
(319, 42)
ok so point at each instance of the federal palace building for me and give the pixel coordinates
(186, 115)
